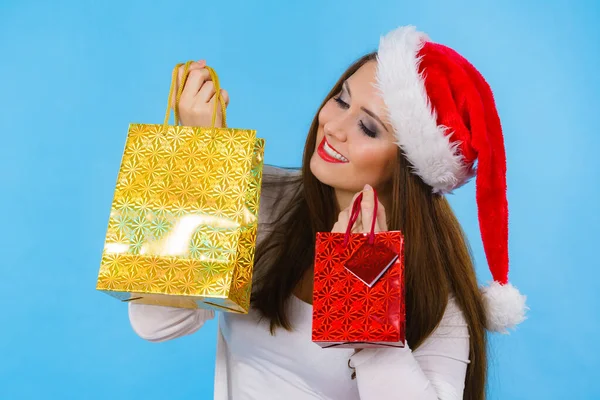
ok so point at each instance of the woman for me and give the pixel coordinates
(409, 121)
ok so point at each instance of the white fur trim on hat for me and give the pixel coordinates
(426, 145)
(504, 305)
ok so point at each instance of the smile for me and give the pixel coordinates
(329, 154)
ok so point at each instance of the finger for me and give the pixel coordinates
(367, 207)
(358, 223)
(381, 225)
(194, 66)
(225, 96)
(211, 106)
(358, 227)
(206, 94)
(342, 223)
(197, 65)
(196, 79)
(354, 199)
(351, 205)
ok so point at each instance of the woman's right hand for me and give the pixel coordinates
(365, 215)
(198, 98)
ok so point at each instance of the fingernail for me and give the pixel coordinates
(368, 187)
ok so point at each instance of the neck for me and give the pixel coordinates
(343, 198)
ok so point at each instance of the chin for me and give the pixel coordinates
(334, 175)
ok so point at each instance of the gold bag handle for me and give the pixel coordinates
(186, 72)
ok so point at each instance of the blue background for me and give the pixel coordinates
(73, 75)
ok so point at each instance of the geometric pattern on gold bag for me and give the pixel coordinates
(183, 222)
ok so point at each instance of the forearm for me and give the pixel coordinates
(391, 374)
(435, 370)
(157, 323)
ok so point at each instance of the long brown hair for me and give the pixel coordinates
(437, 256)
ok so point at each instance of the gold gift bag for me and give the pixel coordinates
(183, 222)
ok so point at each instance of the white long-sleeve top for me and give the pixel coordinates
(253, 364)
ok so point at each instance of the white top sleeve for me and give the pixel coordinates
(436, 370)
(158, 323)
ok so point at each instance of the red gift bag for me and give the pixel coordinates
(358, 295)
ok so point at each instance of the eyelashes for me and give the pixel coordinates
(342, 104)
(367, 131)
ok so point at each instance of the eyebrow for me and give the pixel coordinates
(369, 112)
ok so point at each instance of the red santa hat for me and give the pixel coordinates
(445, 120)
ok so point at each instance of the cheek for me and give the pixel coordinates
(326, 113)
(378, 160)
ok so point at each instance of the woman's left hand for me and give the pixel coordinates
(365, 218)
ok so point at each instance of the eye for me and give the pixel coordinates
(341, 102)
(367, 131)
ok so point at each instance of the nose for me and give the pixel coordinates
(336, 128)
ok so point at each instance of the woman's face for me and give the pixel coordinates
(355, 145)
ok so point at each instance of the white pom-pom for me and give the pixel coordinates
(505, 306)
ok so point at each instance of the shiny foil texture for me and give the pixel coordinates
(349, 313)
(184, 217)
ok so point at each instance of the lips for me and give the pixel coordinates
(329, 154)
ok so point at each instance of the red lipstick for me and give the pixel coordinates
(323, 154)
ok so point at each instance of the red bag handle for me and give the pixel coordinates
(354, 217)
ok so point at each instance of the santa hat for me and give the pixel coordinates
(445, 120)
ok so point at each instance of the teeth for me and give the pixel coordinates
(334, 153)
